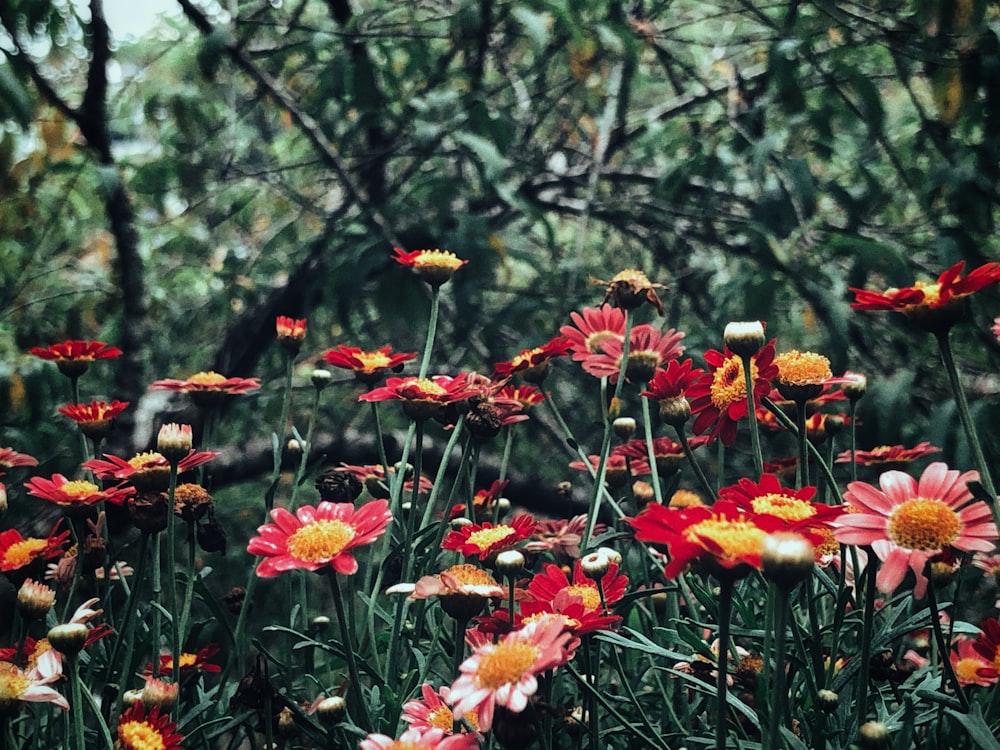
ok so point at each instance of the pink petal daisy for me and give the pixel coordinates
(31, 686)
(970, 666)
(505, 673)
(318, 537)
(414, 738)
(908, 522)
(594, 325)
(430, 711)
(649, 349)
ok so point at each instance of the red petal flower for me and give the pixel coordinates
(484, 539)
(532, 364)
(75, 494)
(368, 367)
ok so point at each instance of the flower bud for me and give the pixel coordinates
(873, 735)
(827, 700)
(131, 697)
(509, 563)
(612, 555)
(787, 558)
(331, 711)
(320, 379)
(34, 599)
(159, 693)
(624, 428)
(174, 441)
(744, 338)
(675, 411)
(3, 499)
(290, 333)
(68, 638)
(320, 623)
(856, 387)
(595, 565)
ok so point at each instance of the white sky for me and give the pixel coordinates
(135, 17)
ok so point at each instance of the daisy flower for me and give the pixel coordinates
(649, 349)
(139, 729)
(667, 453)
(794, 507)
(431, 711)
(987, 643)
(433, 266)
(372, 476)
(18, 552)
(907, 522)
(617, 468)
(723, 538)
(533, 364)
(422, 398)
(73, 358)
(31, 686)
(888, 456)
(719, 398)
(9, 458)
(207, 388)
(561, 538)
(970, 667)
(463, 590)
(414, 738)
(96, 418)
(526, 395)
(545, 586)
(290, 332)
(483, 540)
(145, 471)
(368, 367)
(75, 495)
(483, 502)
(505, 673)
(933, 306)
(189, 663)
(591, 327)
(320, 537)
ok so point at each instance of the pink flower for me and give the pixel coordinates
(318, 537)
(505, 673)
(908, 522)
(430, 711)
(414, 738)
(594, 325)
(649, 349)
(32, 685)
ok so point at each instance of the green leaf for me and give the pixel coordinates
(975, 724)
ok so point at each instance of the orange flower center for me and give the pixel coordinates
(931, 290)
(590, 595)
(729, 383)
(923, 524)
(428, 387)
(442, 718)
(80, 489)
(141, 735)
(320, 540)
(21, 553)
(13, 683)
(207, 379)
(967, 670)
(505, 664)
(829, 544)
(372, 361)
(568, 623)
(470, 575)
(802, 368)
(437, 259)
(735, 538)
(685, 499)
(783, 506)
(149, 461)
(486, 538)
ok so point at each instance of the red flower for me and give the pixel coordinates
(649, 349)
(794, 507)
(142, 730)
(9, 458)
(970, 668)
(594, 325)
(561, 538)
(318, 537)
(423, 397)
(197, 662)
(483, 502)
(95, 419)
(433, 266)
(667, 453)
(526, 395)
(673, 382)
(987, 643)
(545, 586)
(368, 367)
(889, 455)
(617, 468)
(484, 539)
(931, 305)
(146, 471)
(291, 332)
(75, 494)
(533, 364)
(719, 398)
(726, 540)
(631, 288)
(18, 552)
(74, 357)
(372, 476)
(207, 388)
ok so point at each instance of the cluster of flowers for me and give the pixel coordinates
(520, 624)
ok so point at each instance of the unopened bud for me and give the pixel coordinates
(68, 638)
(320, 379)
(787, 558)
(827, 700)
(34, 600)
(873, 735)
(595, 565)
(159, 693)
(624, 428)
(744, 338)
(509, 563)
(856, 387)
(331, 711)
(174, 441)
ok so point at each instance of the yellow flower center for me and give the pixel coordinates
(802, 368)
(783, 506)
(187, 660)
(429, 387)
(80, 489)
(923, 524)
(729, 383)
(13, 683)
(685, 499)
(486, 538)
(525, 357)
(735, 538)
(505, 664)
(590, 595)
(320, 540)
(829, 544)
(568, 623)
(437, 259)
(207, 379)
(967, 670)
(442, 718)
(140, 735)
(21, 553)
(400, 745)
(149, 461)
(469, 575)
(372, 361)
(931, 290)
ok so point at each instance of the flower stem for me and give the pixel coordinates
(650, 453)
(758, 457)
(355, 693)
(695, 466)
(776, 717)
(721, 683)
(965, 416)
(802, 466)
(867, 627)
(76, 701)
(948, 673)
(432, 322)
(171, 578)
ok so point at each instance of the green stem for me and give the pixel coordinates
(425, 361)
(852, 413)
(943, 648)
(411, 516)
(76, 701)
(188, 582)
(776, 706)
(172, 578)
(802, 467)
(359, 711)
(650, 452)
(695, 466)
(380, 441)
(748, 379)
(721, 683)
(965, 416)
(157, 597)
(867, 628)
(127, 630)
